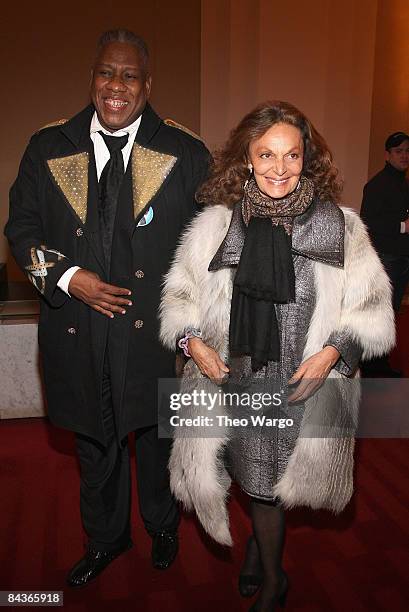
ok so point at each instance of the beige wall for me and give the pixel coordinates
(318, 55)
(47, 51)
(390, 101)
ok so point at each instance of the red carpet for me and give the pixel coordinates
(358, 561)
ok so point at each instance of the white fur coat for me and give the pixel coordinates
(355, 297)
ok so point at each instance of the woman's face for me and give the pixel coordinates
(277, 159)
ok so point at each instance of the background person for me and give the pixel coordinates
(273, 281)
(385, 211)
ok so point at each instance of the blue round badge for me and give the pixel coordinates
(147, 218)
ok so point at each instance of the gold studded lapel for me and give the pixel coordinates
(71, 175)
(149, 171)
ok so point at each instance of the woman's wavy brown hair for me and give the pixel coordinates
(229, 169)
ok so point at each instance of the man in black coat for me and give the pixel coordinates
(385, 210)
(95, 215)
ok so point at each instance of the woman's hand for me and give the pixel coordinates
(312, 373)
(207, 360)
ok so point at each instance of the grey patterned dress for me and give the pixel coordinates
(257, 461)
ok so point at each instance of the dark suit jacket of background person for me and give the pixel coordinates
(385, 204)
(54, 224)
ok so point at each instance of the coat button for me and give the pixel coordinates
(79, 231)
(138, 323)
(139, 274)
(71, 330)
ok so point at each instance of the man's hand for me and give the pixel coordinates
(312, 373)
(102, 297)
(407, 226)
(207, 360)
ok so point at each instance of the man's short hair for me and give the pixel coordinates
(125, 36)
(395, 139)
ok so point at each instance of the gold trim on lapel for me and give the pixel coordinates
(149, 171)
(71, 175)
(179, 126)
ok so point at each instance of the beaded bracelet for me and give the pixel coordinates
(190, 332)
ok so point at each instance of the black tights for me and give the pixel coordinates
(269, 531)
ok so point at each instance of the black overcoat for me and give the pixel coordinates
(53, 225)
(385, 205)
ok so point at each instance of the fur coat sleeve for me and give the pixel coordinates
(192, 296)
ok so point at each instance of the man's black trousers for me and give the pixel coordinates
(106, 482)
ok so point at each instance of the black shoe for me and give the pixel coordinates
(249, 584)
(91, 565)
(165, 546)
(280, 599)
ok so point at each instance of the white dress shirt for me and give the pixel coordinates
(102, 155)
(101, 151)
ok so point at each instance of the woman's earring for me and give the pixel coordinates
(250, 169)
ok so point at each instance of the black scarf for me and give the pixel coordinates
(265, 274)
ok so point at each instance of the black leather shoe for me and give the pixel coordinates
(165, 546)
(91, 565)
(280, 599)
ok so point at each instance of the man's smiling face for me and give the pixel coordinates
(120, 85)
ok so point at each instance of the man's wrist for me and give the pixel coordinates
(65, 279)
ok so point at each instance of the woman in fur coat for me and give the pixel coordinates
(274, 281)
